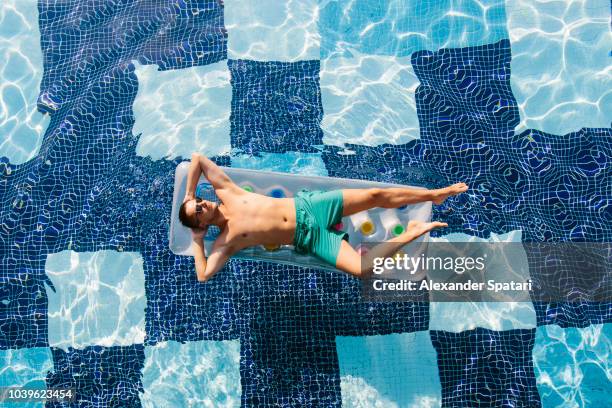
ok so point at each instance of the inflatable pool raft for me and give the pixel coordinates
(365, 228)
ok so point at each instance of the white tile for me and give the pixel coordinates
(368, 100)
(498, 315)
(182, 111)
(269, 30)
(100, 299)
(21, 125)
(194, 374)
(561, 71)
(396, 370)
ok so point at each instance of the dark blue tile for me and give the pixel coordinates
(23, 302)
(101, 376)
(82, 41)
(486, 368)
(276, 106)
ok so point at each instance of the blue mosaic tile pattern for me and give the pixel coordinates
(23, 302)
(101, 376)
(485, 368)
(288, 365)
(276, 106)
(83, 40)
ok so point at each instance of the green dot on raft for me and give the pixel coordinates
(398, 229)
(247, 188)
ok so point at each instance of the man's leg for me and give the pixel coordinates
(348, 260)
(357, 200)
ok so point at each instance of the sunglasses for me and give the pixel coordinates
(198, 207)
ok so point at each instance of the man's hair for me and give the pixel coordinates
(187, 221)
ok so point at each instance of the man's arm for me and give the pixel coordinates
(215, 262)
(213, 173)
(199, 251)
(200, 257)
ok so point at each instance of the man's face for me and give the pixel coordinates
(202, 210)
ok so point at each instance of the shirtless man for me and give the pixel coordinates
(247, 219)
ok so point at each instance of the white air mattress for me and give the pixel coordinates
(371, 226)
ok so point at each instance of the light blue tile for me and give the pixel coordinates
(100, 299)
(561, 64)
(269, 30)
(25, 368)
(21, 125)
(401, 27)
(201, 373)
(572, 365)
(305, 164)
(397, 370)
(183, 111)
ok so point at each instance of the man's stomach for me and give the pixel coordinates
(271, 226)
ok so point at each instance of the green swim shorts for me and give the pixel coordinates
(316, 212)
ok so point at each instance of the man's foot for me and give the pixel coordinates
(443, 193)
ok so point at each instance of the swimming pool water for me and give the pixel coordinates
(511, 97)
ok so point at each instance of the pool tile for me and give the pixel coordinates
(84, 41)
(486, 368)
(276, 106)
(570, 365)
(368, 100)
(101, 376)
(168, 101)
(401, 27)
(22, 126)
(561, 64)
(201, 373)
(100, 299)
(386, 371)
(266, 30)
(25, 368)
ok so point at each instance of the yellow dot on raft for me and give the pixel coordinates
(271, 247)
(367, 228)
(399, 255)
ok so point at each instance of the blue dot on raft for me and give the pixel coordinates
(202, 189)
(277, 193)
(403, 207)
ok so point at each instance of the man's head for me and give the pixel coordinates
(197, 213)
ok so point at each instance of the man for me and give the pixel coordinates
(247, 219)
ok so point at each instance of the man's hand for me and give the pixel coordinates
(198, 233)
(419, 228)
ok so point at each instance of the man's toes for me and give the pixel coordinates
(460, 187)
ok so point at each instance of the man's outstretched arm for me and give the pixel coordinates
(213, 173)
